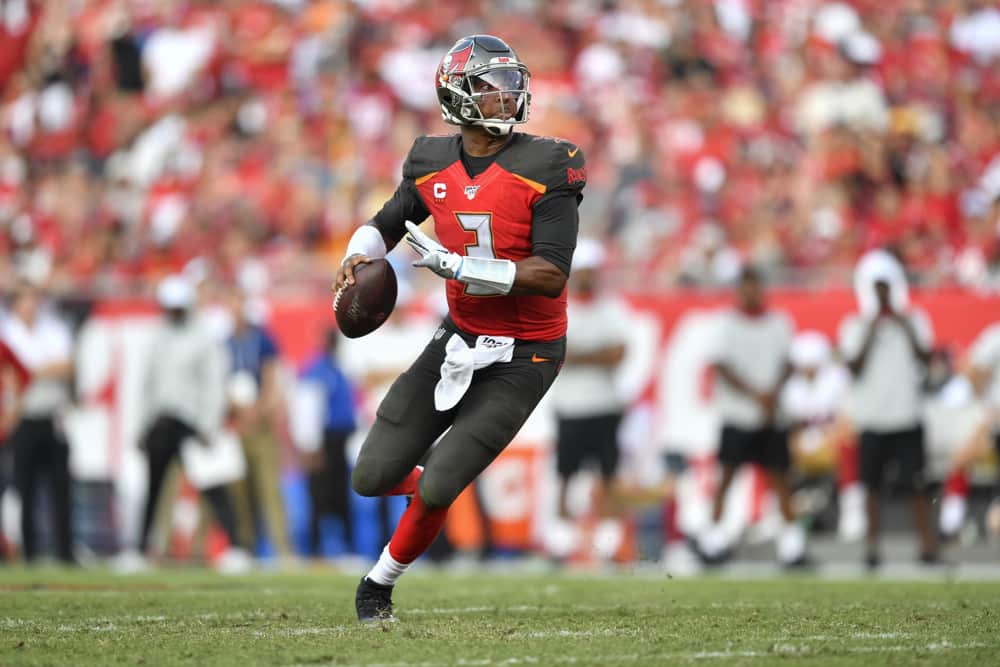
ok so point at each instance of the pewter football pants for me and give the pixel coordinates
(482, 424)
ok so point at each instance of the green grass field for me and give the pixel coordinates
(190, 617)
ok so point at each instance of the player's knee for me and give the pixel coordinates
(366, 479)
(435, 492)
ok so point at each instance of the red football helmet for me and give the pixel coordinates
(476, 67)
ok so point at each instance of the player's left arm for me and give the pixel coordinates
(554, 224)
(537, 275)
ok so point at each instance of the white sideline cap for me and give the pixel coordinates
(175, 292)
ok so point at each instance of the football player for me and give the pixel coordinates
(504, 206)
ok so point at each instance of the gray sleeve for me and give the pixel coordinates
(404, 205)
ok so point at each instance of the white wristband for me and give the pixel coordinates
(366, 241)
(494, 275)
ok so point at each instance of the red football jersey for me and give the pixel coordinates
(492, 215)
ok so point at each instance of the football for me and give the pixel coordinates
(362, 307)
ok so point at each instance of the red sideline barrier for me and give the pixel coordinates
(958, 315)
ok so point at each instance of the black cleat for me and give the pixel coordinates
(873, 560)
(373, 602)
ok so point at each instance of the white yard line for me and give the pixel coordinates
(562, 634)
(666, 606)
(333, 630)
(880, 635)
(786, 650)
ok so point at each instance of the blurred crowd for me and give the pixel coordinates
(138, 135)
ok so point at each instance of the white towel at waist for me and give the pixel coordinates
(461, 361)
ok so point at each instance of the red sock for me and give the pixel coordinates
(408, 486)
(417, 528)
(957, 484)
(848, 470)
(671, 531)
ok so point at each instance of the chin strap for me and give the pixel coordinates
(497, 129)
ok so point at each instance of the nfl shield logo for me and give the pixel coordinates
(470, 191)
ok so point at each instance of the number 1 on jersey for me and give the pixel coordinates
(479, 224)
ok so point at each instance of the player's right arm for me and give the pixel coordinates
(379, 235)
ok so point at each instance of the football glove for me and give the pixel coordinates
(488, 275)
(433, 255)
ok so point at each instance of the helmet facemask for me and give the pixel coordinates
(504, 92)
(501, 88)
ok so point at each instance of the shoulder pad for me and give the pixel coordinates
(550, 162)
(431, 154)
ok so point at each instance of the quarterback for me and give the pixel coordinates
(504, 206)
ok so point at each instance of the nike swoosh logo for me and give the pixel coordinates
(572, 153)
(535, 359)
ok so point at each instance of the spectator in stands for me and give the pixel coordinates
(709, 261)
(845, 94)
(886, 346)
(329, 480)
(252, 351)
(266, 106)
(752, 363)
(185, 392)
(44, 343)
(587, 406)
